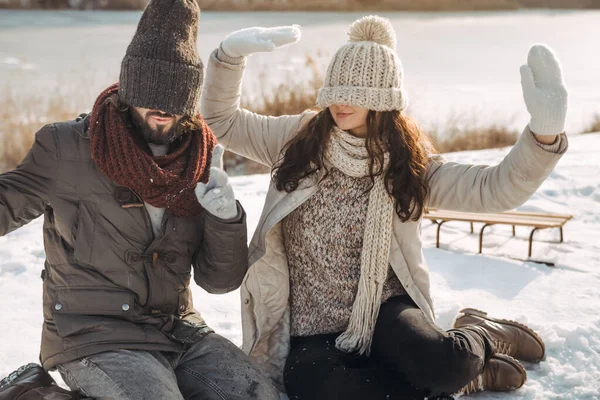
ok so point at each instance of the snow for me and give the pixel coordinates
(455, 64)
(561, 303)
(463, 65)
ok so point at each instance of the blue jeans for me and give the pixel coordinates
(212, 369)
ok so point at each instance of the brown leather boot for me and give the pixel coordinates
(509, 337)
(501, 374)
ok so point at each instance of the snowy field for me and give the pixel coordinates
(464, 65)
(562, 303)
(455, 64)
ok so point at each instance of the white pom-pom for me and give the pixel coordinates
(373, 28)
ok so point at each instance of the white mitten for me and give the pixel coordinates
(544, 91)
(217, 196)
(255, 40)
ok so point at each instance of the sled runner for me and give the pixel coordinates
(537, 220)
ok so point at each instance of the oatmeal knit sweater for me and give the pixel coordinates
(323, 241)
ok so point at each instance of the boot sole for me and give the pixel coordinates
(484, 315)
(515, 364)
(15, 375)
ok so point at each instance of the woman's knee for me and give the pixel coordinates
(421, 352)
(315, 370)
(436, 362)
(446, 368)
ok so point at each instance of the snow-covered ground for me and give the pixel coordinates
(463, 65)
(455, 64)
(562, 303)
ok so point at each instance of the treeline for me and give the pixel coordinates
(314, 5)
(392, 5)
(74, 4)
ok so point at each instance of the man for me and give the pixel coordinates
(128, 208)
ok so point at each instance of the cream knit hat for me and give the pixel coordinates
(366, 72)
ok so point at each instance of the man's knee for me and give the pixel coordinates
(109, 375)
(217, 367)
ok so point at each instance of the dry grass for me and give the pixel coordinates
(35, 4)
(314, 5)
(75, 4)
(594, 126)
(288, 98)
(22, 117)
(461, 133)
(108, 4)
(355, 5)
(285, 99)
(390, 5)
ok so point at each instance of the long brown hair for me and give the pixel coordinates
(387, 131)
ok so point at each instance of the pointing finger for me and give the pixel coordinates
(218, 178)
(217, 157)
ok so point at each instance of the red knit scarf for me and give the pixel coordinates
(166, 181)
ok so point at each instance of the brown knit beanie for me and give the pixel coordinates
(366, 72)
(161, 69)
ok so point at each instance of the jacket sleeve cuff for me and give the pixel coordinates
(223, 57)
(558, 147)
(530, 161)
(235, 220)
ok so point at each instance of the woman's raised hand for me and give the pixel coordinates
(544, 91)
(244, 42)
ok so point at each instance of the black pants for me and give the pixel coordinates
(411, 358)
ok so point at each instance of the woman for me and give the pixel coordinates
(336, 303)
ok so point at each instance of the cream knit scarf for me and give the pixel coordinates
(349, 155)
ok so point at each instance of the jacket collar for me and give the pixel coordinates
(82, 125)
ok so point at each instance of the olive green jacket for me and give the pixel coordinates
(108, 282)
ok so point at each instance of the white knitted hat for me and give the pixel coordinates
(366, 72)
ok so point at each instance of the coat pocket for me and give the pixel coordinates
(84, 233)
(93, 301)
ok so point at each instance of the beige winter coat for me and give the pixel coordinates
(265, 289)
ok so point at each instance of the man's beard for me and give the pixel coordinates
(160, 134)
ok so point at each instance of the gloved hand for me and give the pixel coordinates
(544, 91)
(217, 196)
(244, 42)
